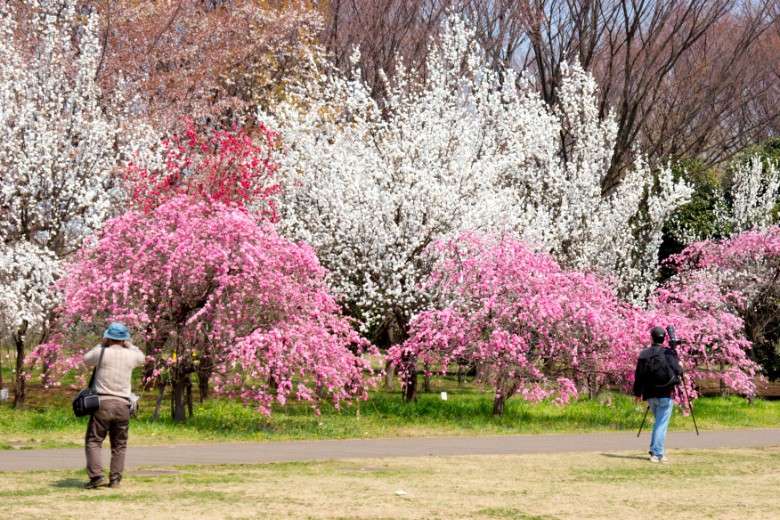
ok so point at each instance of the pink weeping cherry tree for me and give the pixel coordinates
(534, 329)
(743, 272)
(712, 331)
(529, 327)
(201, 281)
(233, 167)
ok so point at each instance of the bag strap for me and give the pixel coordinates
(95, 370)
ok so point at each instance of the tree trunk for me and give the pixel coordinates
(46, 371)
(593, 389)
(188, 391)
(409, 383)
(153, 346)
(147, 379)
(461, 369)
(1, 368)
(410, 386)
(204, 374)
(178, 398)
(498, 404)
(158, 404)
(20, 387)
(426, 379)
(389, 372)
(396, 334)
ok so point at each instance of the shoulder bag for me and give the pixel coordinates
(87, 401)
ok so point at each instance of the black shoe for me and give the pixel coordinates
(94, 483)
(115, 482)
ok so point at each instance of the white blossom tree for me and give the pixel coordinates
(372, 185)
(755, 190)
(561, 200)
(58, 154)
(746, 197)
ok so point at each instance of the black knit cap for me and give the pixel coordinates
(658, 334)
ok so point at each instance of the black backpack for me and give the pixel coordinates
(659, 372)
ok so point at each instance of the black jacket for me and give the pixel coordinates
(642, 385)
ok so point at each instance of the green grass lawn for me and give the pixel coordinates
(696, 484)
(48, 421)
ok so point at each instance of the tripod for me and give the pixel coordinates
(673, 342)
(690, 407)
(690, 404)
(643, 421)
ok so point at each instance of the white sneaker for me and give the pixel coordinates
(664, 459)
(654, 458)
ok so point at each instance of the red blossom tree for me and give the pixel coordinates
(226, 166)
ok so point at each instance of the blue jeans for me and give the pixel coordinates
(662, 411)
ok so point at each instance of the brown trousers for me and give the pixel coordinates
(113, 418)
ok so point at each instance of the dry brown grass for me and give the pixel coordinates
(720, 484)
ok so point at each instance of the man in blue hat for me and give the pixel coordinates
(113, 385)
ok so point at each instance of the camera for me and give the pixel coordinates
(673, 339)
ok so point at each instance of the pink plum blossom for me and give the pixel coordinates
(203, 283)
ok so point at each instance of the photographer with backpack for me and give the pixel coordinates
(658, 371)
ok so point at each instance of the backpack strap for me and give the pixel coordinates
(97, 367)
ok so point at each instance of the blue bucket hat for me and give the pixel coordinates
(117, 331)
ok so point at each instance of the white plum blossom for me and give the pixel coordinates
(27, 272)
(371, 184)
(58, 151)
(755, 189)
(559, 193)
(371, 187)
(748, 201)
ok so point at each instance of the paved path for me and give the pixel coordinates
(277, 451)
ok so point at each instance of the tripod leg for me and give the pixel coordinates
(690, 406)
(643, 421)
(695, 426)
